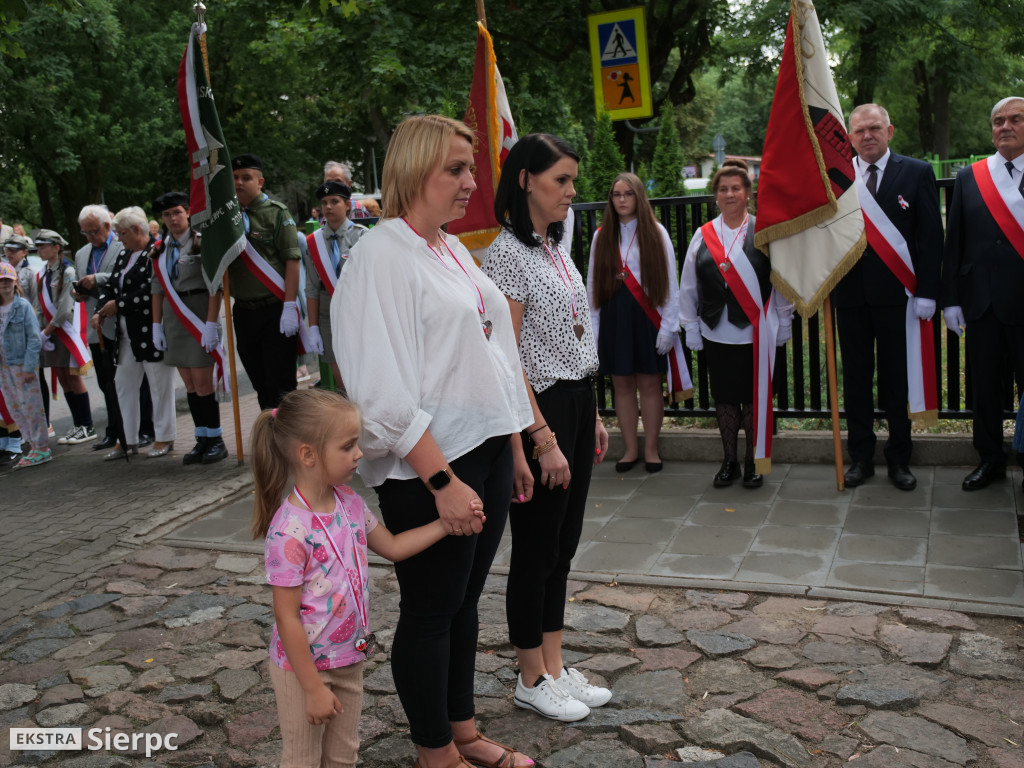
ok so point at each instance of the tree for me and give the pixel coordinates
(667, 166)
(602, 163)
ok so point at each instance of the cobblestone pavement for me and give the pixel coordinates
(174, 641)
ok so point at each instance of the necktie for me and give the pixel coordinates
(172, 259)
(335, 255)
(873, 179)
(1009, 170)
(245, 219)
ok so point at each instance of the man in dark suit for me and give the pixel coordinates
(872, 302)
(983, 281)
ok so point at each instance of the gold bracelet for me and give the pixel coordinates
(547, 445)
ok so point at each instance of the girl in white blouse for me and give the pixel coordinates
(633, 285)
(426, 347)
(559, 358)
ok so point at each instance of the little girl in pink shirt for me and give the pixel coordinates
(315, 555)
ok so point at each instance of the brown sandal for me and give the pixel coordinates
(507, 760)
(457, 764)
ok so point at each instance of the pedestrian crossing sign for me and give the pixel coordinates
(618, 53)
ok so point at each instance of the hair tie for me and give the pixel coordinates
(273, 412)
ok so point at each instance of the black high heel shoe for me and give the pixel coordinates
(727, 474)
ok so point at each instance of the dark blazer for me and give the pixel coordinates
(872, 283)
(134, 303)
(980, 268)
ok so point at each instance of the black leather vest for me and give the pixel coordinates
(713, 292)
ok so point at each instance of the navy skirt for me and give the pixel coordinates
(627, 339)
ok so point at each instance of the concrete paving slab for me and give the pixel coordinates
(696, 566)
(784, 568)
(985, 584)
(997, 496)
(879, 492)
(788, 512)
(825, 473)
(637, 531)
(975, 522)
(974, 551)
(676, 485)
(887, 522)
(797, 539)
(899, 579)
(812, 490)
(613, 487)
(711, 540)
(730, 515)
(894, 550)
(656, 507)
(606, 557)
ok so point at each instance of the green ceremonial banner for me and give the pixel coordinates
(214, 209)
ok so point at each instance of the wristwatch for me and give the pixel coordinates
(439, 480)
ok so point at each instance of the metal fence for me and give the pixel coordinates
(801, 382)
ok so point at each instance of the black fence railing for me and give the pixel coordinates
(801, 381)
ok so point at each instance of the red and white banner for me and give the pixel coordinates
(809, 220)
(320, 255)
(892, 249)
(1002, 198)
(274, 282)
(191, 323)
(680, 385)
(742, 281)
(490, 119)
(72, 333)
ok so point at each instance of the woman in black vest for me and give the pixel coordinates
(715, 321)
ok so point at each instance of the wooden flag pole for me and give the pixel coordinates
(481, 14)
(229, 330)
(830, 364)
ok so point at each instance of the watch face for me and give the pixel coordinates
(439, 480)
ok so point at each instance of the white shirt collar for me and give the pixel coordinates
(880, 163)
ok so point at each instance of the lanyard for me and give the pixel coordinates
(625, 258)
(357, 593)
(566, 279)
(741, 236)
(479, 296)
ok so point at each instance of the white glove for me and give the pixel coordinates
(954, 317)
(290, 318)
(924, 308)
(694, 340)
(159, 340)
(784, 334)
(210, 336)
(666, 340)
(315, 340)
(48, 345)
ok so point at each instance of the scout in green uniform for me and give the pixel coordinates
(266, 327)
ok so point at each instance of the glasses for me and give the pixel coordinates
(623, 195)
(90, 232)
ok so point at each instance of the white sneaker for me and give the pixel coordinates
(577, 686)
(550, 699)
(73, 432)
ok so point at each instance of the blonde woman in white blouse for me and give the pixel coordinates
(556, 343)
(427, 349)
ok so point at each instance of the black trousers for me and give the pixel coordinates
(546, 530)
(267, 355)
(106, 367)
(860, 328)
(994, 352)
(433, 656)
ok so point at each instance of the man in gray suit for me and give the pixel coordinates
(93, 264)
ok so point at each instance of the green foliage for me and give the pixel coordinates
(602, 163)
(667, 166)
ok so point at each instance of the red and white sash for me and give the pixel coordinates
(742, 281)
(274, 282)
(1002, 198)
(191, 322)
(885, 239)
(72, 334)
(320, 255)
(680, 385)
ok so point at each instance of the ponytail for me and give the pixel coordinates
(269, 473)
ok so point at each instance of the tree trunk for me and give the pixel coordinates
(940, 108)
(925, 125)
(867, 65)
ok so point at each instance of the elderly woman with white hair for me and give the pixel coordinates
(127, 296)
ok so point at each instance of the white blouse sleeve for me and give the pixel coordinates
(670, 309)
(595, 313)
(374, 326)
(688, 286)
